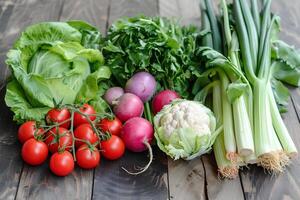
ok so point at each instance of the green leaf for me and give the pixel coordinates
(286, 53)
(23, 111)
(152, 44)
(281, 94)
(91, 37)
(50, 62)
(235, 90)
(92, 84)
(285, 73)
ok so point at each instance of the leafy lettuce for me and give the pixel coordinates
(55, 62)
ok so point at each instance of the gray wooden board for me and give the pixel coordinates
(112, 182)
(126, 8)
(186, 179)
(39, 183)
(187, 12)
(92, 11)
(10, 161)
(218, 188)
(6, 8)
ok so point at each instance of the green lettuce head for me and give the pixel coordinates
(55, 62)
(185, 129)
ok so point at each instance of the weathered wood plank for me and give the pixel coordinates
(125, 8)
(112, 182)
(259, 185)
(186, 179)
(39, 183)
(92, 11)
(11, 163)
(187, 12)
(295, 92)
(6, 8)
(218, 188)
(190, 12)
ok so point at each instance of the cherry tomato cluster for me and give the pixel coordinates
(71, 135)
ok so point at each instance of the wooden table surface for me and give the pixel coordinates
(165, 179)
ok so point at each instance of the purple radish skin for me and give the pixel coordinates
(137, 134)
(142, 84)
(113, 94)
(128, 106)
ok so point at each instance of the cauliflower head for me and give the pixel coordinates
(185, 129)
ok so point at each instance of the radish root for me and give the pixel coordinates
(143, 169)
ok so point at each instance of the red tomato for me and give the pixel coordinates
(114, 126)
(34, 152)
(87, 158)
(113, 148)
(56, 115)
(59, 138)
(62, 163)
(80, 119)
(85, 132)
(26, 131)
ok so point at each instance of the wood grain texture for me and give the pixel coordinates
(6, 8)
(258, 185)
(92, 11)
(126, 8)
(218, 188)
(289, 15)
(295, 92)
(10, 160)
(39, 183)
(186, 179)
(187, 11)
(112, 182)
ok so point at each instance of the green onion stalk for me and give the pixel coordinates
(273, 145)
(224, 146)
(242, 122)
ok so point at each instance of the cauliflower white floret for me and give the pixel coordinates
(186, 114)
(185, 129)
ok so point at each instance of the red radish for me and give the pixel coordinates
(128, 106)
(163, 98)
(137, 133)
(142, 84)
(112, 94)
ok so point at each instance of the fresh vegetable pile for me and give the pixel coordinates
(81, 96)
(243, 57)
